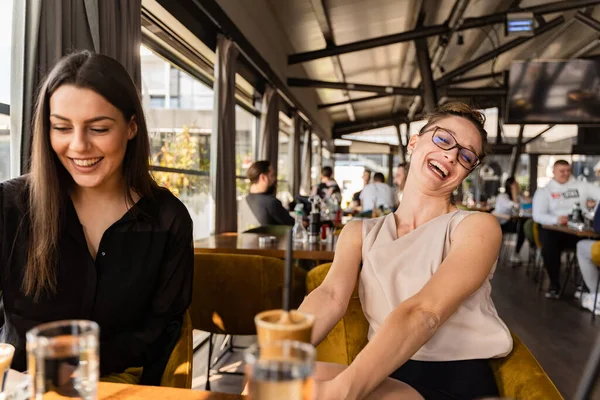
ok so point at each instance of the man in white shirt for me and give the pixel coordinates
(552, 206)
(377, 194)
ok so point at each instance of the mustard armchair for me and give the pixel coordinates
(518, 375)
(596, 260)
(178, 372)
(230, 289)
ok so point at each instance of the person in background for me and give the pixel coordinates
(328, 187)
(356, 204)
(589, 272)
(505, 203)
(552, 205)
(260, 207)
(89, 223)
(377, 194)
(400, 180)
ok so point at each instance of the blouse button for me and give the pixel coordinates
(103, 254)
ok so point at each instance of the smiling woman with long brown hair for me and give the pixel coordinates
(88, 234)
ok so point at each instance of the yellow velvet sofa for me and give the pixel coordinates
(518, 375)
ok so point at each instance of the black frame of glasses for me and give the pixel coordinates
(456, 145)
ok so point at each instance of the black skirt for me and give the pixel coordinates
(449, 380)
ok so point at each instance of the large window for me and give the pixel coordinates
(245, 134)
(179, 113)
(5, 59)
(316, 160)
(284, 161)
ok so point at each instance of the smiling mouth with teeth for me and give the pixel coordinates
(438, 169)
(87, 162)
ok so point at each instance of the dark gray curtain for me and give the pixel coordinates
(222, 160)
(296, 154)
(306, 184)
(268, 144)
(46, 30)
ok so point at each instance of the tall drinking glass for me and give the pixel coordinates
(6, 355)
(280, 370)
(62, 360)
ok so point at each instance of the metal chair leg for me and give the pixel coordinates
(569, 268)
(208, 365)
(595, 299)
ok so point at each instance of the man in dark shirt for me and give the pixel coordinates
(260, 207)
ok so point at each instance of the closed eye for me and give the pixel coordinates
(61, 128)
(440, 139)
(99, 130)
(466, 157)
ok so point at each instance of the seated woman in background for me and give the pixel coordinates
(88, 234)
(505, 204)
(424, 283)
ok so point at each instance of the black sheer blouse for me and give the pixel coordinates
(137, 289)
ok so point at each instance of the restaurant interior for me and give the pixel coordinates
(328, 92)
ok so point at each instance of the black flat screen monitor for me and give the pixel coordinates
(554, 92)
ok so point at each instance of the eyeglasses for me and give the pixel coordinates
(446, 141)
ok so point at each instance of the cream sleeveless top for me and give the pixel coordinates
(395, 269)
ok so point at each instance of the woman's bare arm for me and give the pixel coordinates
(474, 250)
(329, 301)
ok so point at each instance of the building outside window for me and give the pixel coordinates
(179, 115)
(5, 59)
(245, 133)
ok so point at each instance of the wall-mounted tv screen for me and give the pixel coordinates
(554, 92)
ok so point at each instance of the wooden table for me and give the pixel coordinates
(118, 391)
(589, 234)
(247, 243)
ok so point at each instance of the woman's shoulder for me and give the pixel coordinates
(15, 185)
(475, 221)
(14, 193)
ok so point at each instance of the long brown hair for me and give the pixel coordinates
(49, 181)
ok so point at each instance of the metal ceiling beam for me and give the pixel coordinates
(359, 87)
(424, 62)
(516, 153)
(325, 24)
(469, 92)
(525, 143)
(380, 121)
(352, 101)
(447, 77)
(588, 20)
(434, 30)
(453, 22)
(474, 78)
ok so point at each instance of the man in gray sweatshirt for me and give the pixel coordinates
(552, 205)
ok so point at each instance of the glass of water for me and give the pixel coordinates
(280, 370)
(6, 355)
(62, 358)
